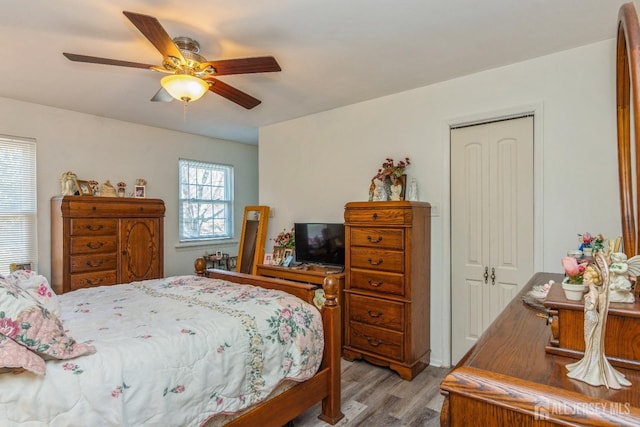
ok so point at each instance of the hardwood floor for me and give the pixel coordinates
(375, 396)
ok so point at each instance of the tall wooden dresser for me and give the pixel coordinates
(97, 241)
(387, 290)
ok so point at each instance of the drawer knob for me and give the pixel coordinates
(91, 283)
(92, 245)
(374, 343)
(372, 262)
(374, 216)
(91, 227)
(97, 264)
(372, 314)
(376, 284)
(377, 240)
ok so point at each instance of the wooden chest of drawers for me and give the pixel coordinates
(98, 241)
(387, 293)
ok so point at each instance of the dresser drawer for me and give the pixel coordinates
(381, 215)
(368, 280)
(392, 238)
(375, 311)
(377, 259)
(93, 244)
(89, 280)
(97, 262)
(377, 340)
(101, 207)
(92, 227)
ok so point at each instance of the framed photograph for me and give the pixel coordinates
(287, 253)
(287, 261)
(139, 192)
(268, 259)
(84, 188)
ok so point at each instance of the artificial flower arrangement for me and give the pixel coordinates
(574, 270)
(392, 171)
(587, 241)
(286, 239)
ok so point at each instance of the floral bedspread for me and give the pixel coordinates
(169, 352)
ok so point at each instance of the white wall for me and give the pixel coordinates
(100, 149)
(310, 167)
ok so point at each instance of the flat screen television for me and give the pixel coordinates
(319, 243)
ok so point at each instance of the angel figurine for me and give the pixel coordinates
(594, 368)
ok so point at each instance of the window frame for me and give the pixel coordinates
(202, 192)
(19, 203)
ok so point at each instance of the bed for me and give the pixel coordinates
(154, 352)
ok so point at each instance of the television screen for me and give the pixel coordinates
(319, 243)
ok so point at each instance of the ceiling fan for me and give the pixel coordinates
(190, 74)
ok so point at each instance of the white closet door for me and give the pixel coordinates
(491, 223)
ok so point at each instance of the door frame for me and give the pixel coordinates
(535, 109)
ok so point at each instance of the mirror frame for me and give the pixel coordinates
(627, 85)
(260, 239)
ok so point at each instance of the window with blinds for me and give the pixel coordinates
(205, 201)
(18, 213)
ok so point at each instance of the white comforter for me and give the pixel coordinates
(170, 352)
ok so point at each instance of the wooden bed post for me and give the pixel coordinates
(331, 412)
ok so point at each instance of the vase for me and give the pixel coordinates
(573, 291)
(121, 191)
(396, 190)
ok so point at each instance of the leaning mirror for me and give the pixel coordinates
(253, 238)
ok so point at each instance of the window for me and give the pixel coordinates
(17, 202)
(206, 201)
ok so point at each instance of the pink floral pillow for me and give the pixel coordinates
(29, 324)
(13, 355)
(38, 287)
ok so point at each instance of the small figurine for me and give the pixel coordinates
(380, 194)
(107, 190)
(594, 368)
(620, 289)
(68, 183)
(412, 192)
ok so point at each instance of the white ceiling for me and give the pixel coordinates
(332, 52)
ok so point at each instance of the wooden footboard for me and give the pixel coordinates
(325, 385)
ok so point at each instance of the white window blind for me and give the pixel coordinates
(18, 207)
(205, 201)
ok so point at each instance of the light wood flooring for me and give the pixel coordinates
(375, 396)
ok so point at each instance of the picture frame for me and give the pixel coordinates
(287, 261)
(287, 253)
(139, 191)
(268, 259)
(84, 188)
(278, 255)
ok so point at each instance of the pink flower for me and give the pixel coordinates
(285, 332)
(69, 366)
(179, 389)
(570, 265)
(286, 313)
(9, 327)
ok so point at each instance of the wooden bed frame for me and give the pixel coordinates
(325, 385)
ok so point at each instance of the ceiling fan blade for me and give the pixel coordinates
(262, 64)
(232, 94)
(150, 27)
(106, 61)
(162, 96)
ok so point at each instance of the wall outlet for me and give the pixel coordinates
(271, 212)
(435, 209)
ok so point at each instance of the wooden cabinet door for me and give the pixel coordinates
(140, 252)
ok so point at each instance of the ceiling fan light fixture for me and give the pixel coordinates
(184, 87)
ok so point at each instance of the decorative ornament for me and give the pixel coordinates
(594, 368)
